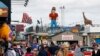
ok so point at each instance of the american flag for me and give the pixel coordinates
(26, 18)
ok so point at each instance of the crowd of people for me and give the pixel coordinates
(64, 49)
(35, 49)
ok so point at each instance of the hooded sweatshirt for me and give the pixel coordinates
(10, 52)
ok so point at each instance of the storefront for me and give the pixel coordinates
(67, 37)
(95, 37)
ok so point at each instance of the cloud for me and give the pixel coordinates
(73, 10)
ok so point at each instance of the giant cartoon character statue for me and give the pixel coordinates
(53, 17)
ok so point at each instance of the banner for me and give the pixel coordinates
(67, 37)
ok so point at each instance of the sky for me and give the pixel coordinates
(38, 9)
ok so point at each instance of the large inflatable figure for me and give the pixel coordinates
(53, 17)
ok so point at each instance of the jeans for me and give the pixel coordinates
(53, 26)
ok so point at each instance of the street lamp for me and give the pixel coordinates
(62, 15)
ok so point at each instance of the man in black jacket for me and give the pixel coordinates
(96, 51)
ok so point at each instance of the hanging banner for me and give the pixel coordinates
(97, 40)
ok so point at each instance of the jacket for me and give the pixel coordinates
(10, 52)
(96, 54)
(28, 54)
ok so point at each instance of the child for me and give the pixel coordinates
(28, 53)
(35, 52)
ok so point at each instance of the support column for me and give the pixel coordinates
(88, 40)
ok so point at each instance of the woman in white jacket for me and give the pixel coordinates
(10, 52)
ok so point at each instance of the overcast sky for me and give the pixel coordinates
(73, 11)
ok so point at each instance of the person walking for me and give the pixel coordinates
(10, 51)
(43, 50)
(96, 51)
(77, 51)
(20, 51)
(64, 50)
(53, 48)
(28, 53)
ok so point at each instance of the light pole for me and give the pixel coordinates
(41, 25)
(62, 15)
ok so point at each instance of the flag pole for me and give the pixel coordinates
(62, 8)
(41, 25)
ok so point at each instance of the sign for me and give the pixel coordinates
(19, 28)
(3, 10)
(97, 40)
(67, 37)
(97, 36)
